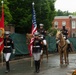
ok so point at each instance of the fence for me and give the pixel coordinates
(21, 46)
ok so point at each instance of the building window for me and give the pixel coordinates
(63, 23)
(73, 25)
(56, 24)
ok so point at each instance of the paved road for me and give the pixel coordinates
(22, 67)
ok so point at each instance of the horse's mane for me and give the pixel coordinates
(59, 33)
(29, 35)
(28, 38)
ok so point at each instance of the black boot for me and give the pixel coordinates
(38, 66)
(7, 67)
(57, 47)
(35, 66)
(69, 48)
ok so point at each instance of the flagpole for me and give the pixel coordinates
(31, 61)
(2, 50)
(32, 56)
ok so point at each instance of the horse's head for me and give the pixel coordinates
(58, 35)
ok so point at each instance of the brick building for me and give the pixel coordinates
(68, 21)
(10, 28)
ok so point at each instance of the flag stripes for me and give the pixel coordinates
(34, 28)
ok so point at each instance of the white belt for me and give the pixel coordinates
(7, 46)
(36, 46)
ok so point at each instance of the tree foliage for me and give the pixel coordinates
(7, 15)
(74, 13)
(52, 31)
(62, 13)
(21, 11)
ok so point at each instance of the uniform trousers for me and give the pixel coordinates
(66, 41)
(37, 61)
(7, 57)
(69, 45)
(44, 41)
(36, 56)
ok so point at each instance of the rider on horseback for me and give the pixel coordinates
(42, 36)
(42, 32)
(65, 35)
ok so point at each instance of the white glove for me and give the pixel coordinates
(41, 52)
(13, 51)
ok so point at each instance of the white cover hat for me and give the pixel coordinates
(41, 24)
(7, 32)
(36, 33)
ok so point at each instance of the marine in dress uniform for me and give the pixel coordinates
(42, 31)
(42, 34)
(37, 45)
(64, 32)
(65, 35)
(8, 43)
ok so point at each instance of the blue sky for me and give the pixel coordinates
(66, 5)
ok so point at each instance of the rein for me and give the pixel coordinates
(61, 47)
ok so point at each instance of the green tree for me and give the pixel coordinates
(74, 13)
(52, 31)
(45, 12)
(7, 15)
(62, 13)
(21, 11)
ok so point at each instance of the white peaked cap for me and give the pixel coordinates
(36, 33)
(41, 24)
(7, 32)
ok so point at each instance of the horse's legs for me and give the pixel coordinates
(46, 49)
(61, 58)
(65, 57)
(47, 54)
(41, 58)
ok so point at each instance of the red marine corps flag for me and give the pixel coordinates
(34, 28)
(2, 29)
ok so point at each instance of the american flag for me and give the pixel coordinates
(34, 28)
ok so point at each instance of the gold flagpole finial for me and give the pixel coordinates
(2, 2)
(33, 3)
